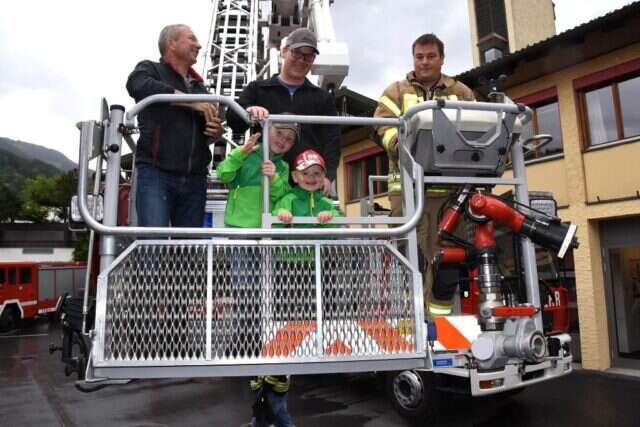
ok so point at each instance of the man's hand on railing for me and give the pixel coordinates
(213, 124)
(213, 128)
(209, 111)
(258, 113)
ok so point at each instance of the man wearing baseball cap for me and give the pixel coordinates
(290, 90)
(306, 199)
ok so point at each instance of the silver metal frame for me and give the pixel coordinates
(272, 365)
(519, 180)
(412, 180)
(414, 177)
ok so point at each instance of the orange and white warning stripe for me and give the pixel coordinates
(455, 332)
(376, 336)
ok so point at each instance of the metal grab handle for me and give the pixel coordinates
(499, 109)
(470, 105)
(156, 99)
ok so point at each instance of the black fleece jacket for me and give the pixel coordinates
(171, 138)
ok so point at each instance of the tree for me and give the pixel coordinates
(66, 187)
(9, 203)
(81, 247)
(36, 196)
(47, 198)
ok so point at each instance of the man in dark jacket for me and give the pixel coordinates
(291, 91)
(172, 153)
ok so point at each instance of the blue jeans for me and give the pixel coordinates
(278, 405)
(164, 198)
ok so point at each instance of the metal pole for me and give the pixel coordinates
(528, 250)
(409, 187)
(92, 234)
(319, 303)
(113, 146)
(266, 212)
(209, 318)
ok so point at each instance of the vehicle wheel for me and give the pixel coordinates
(80, 353)
(412, 394)
(10, 319)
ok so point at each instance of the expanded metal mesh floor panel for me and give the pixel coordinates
(188, 303)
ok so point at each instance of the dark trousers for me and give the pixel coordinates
(164, 198)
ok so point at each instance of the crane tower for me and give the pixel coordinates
(245, 38)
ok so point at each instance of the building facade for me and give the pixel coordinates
(37, 242)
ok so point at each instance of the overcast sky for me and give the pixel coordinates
(59, 58)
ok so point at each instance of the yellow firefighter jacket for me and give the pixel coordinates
(398, 97)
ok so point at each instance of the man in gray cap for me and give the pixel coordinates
(290, 90)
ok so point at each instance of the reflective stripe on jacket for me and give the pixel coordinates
(398, 98)
(279, 383)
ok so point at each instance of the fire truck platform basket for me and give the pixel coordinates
(219, 307)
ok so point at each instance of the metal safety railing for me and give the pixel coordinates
(408, 223)
(231, 306)
(242, 307)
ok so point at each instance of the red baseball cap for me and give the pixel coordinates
(308, 158)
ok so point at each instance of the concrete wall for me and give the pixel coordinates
(16, 254)
(538, 174)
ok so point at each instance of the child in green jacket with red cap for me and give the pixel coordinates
(306, 199)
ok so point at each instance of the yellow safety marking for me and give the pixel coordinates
(387, 102)
(388, 136)
(409, 100)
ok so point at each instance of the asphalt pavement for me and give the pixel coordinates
(35, 392)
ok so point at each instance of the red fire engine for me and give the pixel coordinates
(30, 288)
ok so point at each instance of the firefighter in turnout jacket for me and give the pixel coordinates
(425, 82)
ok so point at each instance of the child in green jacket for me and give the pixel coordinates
(243, 169)
(306, 199)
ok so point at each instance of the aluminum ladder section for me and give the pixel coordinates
(220, 307)
(232, 46)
